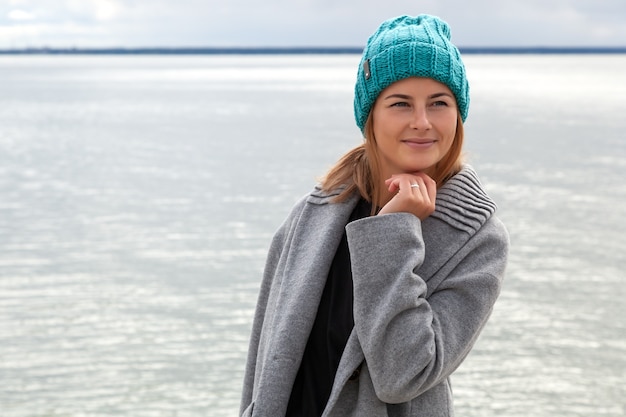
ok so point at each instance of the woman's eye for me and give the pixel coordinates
(440, 103)
(400, 104)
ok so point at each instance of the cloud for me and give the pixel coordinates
(61, 23)
(133, 23)
(20, 15)
(540, 23)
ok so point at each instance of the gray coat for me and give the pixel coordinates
(423, 290)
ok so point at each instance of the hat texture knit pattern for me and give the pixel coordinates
(404, 47)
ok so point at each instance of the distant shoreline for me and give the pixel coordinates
(294, 51)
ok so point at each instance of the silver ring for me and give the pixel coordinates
(415, 185)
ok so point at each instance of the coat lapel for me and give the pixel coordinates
(307, 260)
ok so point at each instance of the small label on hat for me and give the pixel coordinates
(366, 69)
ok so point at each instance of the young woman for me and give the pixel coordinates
(379, 282)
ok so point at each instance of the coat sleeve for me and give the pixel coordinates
(413, 336)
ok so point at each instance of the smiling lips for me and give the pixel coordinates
(419, 143)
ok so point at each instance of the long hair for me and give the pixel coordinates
(359, 169)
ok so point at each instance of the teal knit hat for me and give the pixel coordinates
(404, 47)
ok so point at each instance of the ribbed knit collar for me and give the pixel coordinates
(463, 203)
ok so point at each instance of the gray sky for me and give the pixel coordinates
(194, 23)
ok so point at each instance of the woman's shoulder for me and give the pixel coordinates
(319, 195)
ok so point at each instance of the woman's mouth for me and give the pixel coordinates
(419, 143)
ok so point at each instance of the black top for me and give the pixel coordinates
(331, 329)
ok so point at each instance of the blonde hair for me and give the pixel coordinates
(359, 169)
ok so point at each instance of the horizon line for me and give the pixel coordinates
(249, 50)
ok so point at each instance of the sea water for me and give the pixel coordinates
(139, 194)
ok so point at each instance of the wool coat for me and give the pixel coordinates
(423, 291)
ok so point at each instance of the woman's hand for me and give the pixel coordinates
(414, 193)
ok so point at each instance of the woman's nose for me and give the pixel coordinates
(419, 119)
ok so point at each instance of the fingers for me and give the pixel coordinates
(427, 187)
(413, 182)
(413, 193)
(408, 185)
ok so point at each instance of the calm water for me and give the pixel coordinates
(138, 196)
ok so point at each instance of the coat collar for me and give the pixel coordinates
(461, 202)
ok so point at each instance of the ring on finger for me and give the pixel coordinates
(415, 185)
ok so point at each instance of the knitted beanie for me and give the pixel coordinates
(404, 47)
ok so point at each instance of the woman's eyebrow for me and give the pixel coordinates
(407, 97)
(441, 95)
(402, 96)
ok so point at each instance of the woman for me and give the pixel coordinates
(379, 282)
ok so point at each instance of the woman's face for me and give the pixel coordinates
(414, 124)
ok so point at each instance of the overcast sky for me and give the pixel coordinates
(196, 23)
